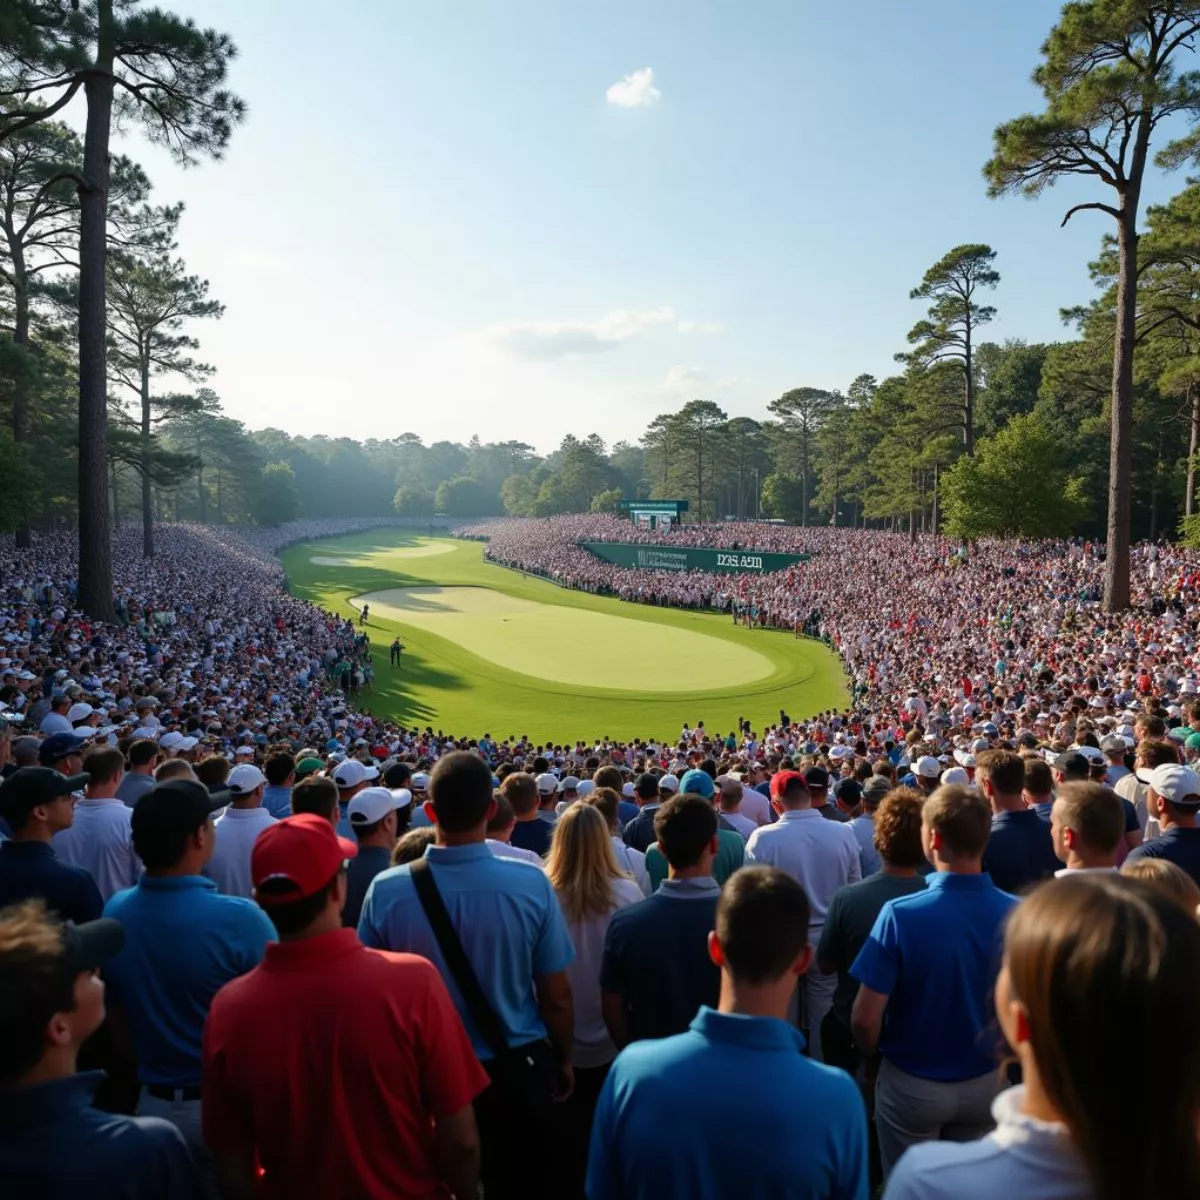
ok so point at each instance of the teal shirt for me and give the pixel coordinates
(731, 853)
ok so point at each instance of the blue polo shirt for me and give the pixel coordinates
(935, 955)
(507, 917)
(1178, 845)
(54, 1143)
(792, 1127)
(1020, 850)
(277, 801)
(31, 870)
(183, 942)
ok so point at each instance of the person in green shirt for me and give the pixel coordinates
(731, 849)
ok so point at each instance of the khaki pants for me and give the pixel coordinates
(909, 1109)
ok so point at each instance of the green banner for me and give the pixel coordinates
(689, 558)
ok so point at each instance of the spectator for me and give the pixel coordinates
(821, 856)
(38, 803)
(1087, 825)
(237, 829)
(413, 845)
(324, 1017)
(280, 770)
(926, 772)
(1149, 754)
(1085, 958)
(817, 781)
(316, 794)
(731, 791)
(731, 848)
(515, 942)
(139, 778)
(499, 833)
(1173, 800)
(863, 826)
(529, 831)
(63, 752)
(926, 971)
(1167, 878)
(854, 908)
(632, 862)
(183, 943)
(1038, 785)
(100, 839)
(639, 833)
(375, 817)
(1020, 850)
(1115, 749)
(654, 1136)
(591, 888)
(53, 1142)
(350, 777)
(656, 972)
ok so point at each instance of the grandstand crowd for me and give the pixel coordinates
(944, 943)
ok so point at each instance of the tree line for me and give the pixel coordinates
(108, 413)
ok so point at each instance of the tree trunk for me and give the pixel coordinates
(934, 522)
(1189, 499)
(969, 395)
(1120, 462)
(95, 543)
(220, 510)
(200, 496)
(116, 497)
(20, 393)
(147, 508)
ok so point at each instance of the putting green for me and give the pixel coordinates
(489, 650)
(544, 640)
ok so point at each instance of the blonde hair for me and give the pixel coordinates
(581, 864)
(1167, 878)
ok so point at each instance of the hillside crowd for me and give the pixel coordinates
(255, 943)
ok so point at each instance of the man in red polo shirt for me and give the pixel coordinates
(341, 1071)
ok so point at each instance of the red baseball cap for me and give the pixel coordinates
(303, 851)
(782, 780)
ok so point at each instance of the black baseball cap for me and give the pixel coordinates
(178, 806)
(25, 789)
(92, 944)
(1071, 762)
(848, 791)
(59, 745)
(816, 777)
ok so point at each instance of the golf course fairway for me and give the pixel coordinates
(489, 650)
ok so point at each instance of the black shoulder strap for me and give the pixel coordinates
(478, 1005)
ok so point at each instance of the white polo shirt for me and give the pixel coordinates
(756, 806)
(632, 862)
(237, 831)
(821, 855)
(100, 841)
(516, 853)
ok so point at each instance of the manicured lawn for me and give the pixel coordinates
(488, 650)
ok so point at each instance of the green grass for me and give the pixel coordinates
(557, 665)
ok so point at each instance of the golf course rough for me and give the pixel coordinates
(489, 650)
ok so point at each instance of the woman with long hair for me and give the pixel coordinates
(1091, 963)
(590, 887)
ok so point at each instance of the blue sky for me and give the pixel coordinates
(436, 220)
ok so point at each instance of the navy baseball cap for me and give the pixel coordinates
(60, 745)
(25, 789)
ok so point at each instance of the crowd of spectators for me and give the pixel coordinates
(317, 953)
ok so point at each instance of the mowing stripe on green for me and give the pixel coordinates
(558, 676)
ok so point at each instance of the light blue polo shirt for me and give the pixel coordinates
(183, 942)
(935, 955)
(507, 918)
(277, 801)
(789, 1127)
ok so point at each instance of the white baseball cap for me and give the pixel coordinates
(547, 784)
(569, 784)
(420, 781)
(668, 783)
(1179, 785)
(586, 787)
(957, 775)
(373, 804)
(170, 741)
(351, 773)
(629, 791)
(244, 778)
(79, 712)
(927, 767)
(188, 743)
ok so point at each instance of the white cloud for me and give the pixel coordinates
(636, 90)
(699, 327)
(545, 340)
(689, 383)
